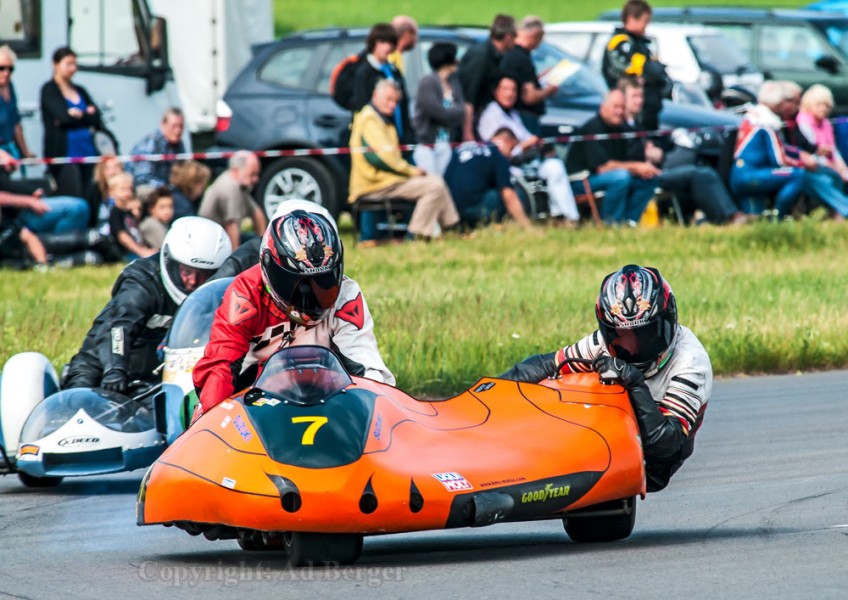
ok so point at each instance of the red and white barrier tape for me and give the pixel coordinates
(217, 155)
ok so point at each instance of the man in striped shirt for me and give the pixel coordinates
(640, 345)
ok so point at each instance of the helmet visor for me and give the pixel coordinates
(639, 345)
(186, 278)
(311, 295)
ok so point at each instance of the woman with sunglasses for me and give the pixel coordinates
(11, 133)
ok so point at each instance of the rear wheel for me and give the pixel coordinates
(605, 522)
(322, 548)
(297, 178)
(38, 482)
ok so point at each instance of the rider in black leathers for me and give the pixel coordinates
(121, 345)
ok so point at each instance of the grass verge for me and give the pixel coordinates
(764, 298)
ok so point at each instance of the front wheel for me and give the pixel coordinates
(38, 482)
(297, 178)
(606, 522)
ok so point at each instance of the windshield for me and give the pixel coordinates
(302, 375)
(193, 320)
(836, 32)
(717, 52)
(579, 80)
(114, 411)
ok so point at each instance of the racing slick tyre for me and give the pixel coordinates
(38, 482)
(605, 522)
(322, 548)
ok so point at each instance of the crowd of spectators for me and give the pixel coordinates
(476, 126)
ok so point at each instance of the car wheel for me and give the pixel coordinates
(605, 522)
(38, 482)
(301, 178)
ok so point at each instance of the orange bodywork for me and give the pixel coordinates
(501, 451)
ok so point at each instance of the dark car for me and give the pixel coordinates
(281, 100)
(804, 46)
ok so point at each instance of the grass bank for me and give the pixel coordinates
(765, 298)
(295, 15)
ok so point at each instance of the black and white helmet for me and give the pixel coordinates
(194, 248)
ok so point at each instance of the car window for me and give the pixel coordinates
(740, 35)
(717, 52)
(337, 53)
(288, 67)
(789, 47)
(596, 52)
(836, 33)
(573, 42)
(581, 82)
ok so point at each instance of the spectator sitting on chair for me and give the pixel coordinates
(518, 64)
(124, 217)
(228, 201)
(160, 214)
(761, 165)
(15, 240)
(188, 180)
(822, 182)
(478, 177)
(500, 113)
(381, 42)
(439, 110)
(616, 166)
(813, 124)
(382, 172)
(696, 187)
(478, 70)
(168, 139)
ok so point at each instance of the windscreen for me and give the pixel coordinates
(193, 320)
(114, 411)
(718, 52)
(303, 375)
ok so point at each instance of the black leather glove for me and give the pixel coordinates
(115, 380)
(614, 370)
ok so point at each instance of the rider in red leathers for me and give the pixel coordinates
(296, 295)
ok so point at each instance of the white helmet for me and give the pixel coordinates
(194, 248)
(287, 206)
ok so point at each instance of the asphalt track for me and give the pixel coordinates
(759, 511)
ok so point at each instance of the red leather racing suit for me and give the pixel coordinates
(248, 328)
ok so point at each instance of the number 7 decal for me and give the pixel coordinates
(309, 435)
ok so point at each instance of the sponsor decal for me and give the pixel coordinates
(507, 481)
(266, 402)
(118, 340)
(79, 440)
(240, 308)
(28, 450)
(483, 387)
(225, 422)
(242, 428)
(228, 405)
(453, 482)
(202, 261)
(378, 426)
(549, 492)
(353, 312)
(228, 483)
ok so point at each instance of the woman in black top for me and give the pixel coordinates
(69, 116)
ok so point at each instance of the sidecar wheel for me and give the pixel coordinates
(322, 548)
(606, 522)
(38, 482)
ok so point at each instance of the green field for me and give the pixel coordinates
(763, 298)
(294, 15)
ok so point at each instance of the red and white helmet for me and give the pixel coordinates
(302, 262)
(637, 316)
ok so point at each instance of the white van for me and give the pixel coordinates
(122, 53)
(684, 49)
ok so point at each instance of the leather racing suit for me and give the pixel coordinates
(248, 328)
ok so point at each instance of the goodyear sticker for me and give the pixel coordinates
(453, 482)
